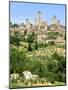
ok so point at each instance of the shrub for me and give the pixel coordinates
(58, 83)
(43, 80)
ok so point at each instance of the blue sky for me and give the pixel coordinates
(20, 11)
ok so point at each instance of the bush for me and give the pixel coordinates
(43, 80)
(58, 83)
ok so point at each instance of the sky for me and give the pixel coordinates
(19, 11)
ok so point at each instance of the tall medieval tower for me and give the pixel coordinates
(27, 23)
(39, 19)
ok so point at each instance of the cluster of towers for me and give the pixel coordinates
(38, 21)
(39, 24)
(55, 21)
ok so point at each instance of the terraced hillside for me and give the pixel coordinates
(44, 57)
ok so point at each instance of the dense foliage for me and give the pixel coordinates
(52, 67)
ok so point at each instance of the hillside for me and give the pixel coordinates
(39, 50)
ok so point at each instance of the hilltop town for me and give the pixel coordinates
(42, 29)
(37, 53)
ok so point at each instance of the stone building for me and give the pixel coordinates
(39, 22)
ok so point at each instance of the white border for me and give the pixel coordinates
(4, 44)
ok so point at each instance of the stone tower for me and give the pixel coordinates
(35, 22)
(27, 23)
(54, 20)
(39, 19)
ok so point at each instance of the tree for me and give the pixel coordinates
(33, 34)
(36, 45)
(15, 39)
(61, 67)
(17, 60)
(15, 25)
(30, 38)
(25, 32)
(29, 47)
(12, 39)
(13, 60)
